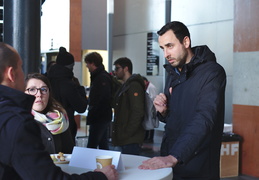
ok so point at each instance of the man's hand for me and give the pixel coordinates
(160, 103)
(159, 162)
(109, 171)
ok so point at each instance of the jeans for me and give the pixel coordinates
(98, 136)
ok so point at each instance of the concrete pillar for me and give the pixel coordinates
(22, 31)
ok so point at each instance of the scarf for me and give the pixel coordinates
(55, 121)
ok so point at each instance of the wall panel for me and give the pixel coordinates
(246, 26)
(246, 124)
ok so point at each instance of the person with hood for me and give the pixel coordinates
(127, 131)
(99, 102)
(66, 88)
(192, 106)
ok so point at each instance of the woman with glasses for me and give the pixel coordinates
(49, 114)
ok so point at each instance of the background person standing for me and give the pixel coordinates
(152, 93)
(99, 102)
(66, 88)
(128, 132)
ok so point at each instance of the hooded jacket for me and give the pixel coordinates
(22, 154)
(99, 107)
(68, 92)
(129, 112)
(194, 124)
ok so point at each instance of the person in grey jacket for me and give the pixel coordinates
(192, 106)
(128, 132)
(22, 154)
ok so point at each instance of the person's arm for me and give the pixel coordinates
(75, 96)
(160, 103)
(30, 161)
(159, 162)
(109, 171)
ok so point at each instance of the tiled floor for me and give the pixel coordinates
(153, 149)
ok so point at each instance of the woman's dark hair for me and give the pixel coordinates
(179, 29)
(52, 103)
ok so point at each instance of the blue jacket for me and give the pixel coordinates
(194, 124)
(22, 154)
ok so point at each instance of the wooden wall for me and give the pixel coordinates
(75, 35)
(246, 117)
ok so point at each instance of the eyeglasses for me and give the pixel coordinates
(34, 91)
(117, 68)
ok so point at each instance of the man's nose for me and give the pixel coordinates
(166, 54)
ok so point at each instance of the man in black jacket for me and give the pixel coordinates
(99, 102)
(192, 106)
(22, 154)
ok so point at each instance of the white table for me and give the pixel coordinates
(131, 172)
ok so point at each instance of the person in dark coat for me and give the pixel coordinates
(192, 106)
(99, 102)
(22, 154)
(66, 88)
(127, 132)
(50, 115)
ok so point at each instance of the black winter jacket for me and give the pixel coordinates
(69, 93)
(54, 144)
(22, 154)
(195, 121)
(99, 107)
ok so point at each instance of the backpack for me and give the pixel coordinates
(151, 120)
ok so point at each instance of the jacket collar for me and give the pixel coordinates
(202, 54)
(97, 71)
(133, 77)
(16, 97)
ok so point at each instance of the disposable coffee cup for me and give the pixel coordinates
(103, 161)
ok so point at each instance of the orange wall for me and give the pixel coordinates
(246, 118)
(75, 41)
(246, 124)
(75, 35)
(246, 26)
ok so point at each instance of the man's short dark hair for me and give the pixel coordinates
(179, 29)
(124, 62)
(8, 58)
(94, 57)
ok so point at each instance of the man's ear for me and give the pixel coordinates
(186, 42)
(10, 74)
(126, 68)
